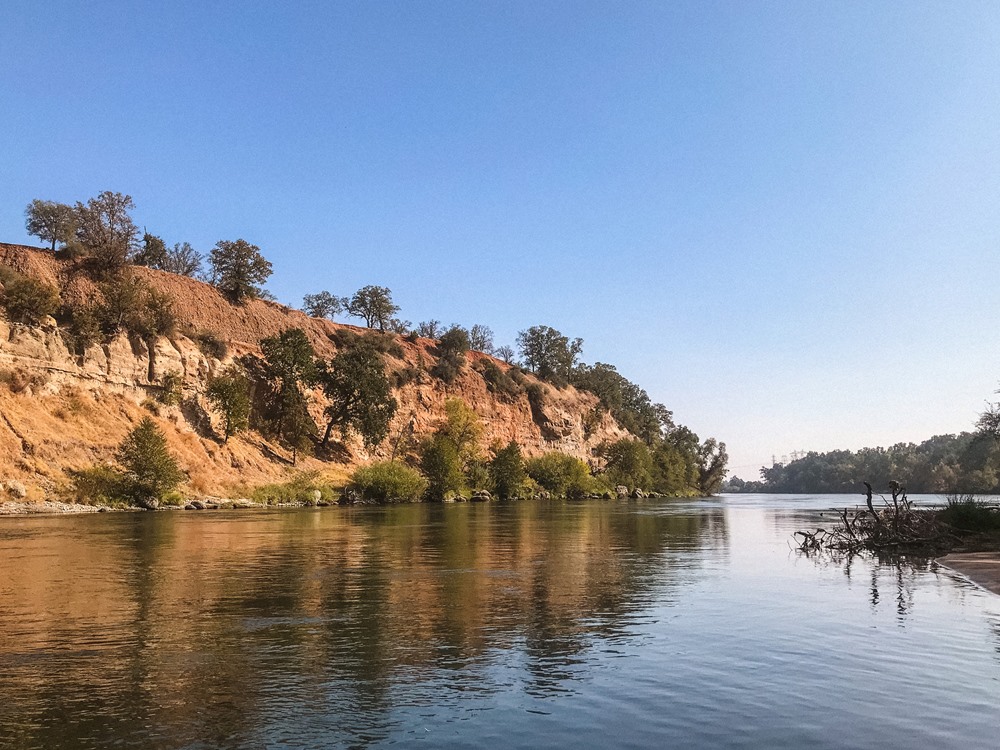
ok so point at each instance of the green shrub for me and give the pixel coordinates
(84, 327)
(171, 388)
(98, 485)
(210, 344)
(561, 474)
(499, 382)
(389, 482)
(968, 513)
(451, 349)
(301, 489)
(384, 343)
(25, 299)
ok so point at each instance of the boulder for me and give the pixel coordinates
(17, 489)
(621, 490)
(148, 503)
(197, 505)
(481, 496)
(638, 494)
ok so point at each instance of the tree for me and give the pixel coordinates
(429, 329)
(183, 260)
(506, 353)
(560, 474)
(238, 268)
(451, 349)
(229, 393)
(374, 305)
(359, 392)
(323, 305)
(548, 353)
(153, 252)
(440, 463)
(629, 463)
(712, 471)
(50, 221)
(463, 428)
(106, 231)
(481, 338)
(506, 470)
(150, 469)
(288, 365)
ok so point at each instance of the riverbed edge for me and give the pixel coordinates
(982, 568)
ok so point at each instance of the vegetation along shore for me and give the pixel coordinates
(137, 373)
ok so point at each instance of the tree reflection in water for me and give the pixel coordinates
(226, 630)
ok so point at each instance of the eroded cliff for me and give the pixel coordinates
(60, 410)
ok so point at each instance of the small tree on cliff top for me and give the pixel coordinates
(238, 268)
(50, 221)
(374, 305)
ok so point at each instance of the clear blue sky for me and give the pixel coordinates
(781, 219)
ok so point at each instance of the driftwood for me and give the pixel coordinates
(894, 528)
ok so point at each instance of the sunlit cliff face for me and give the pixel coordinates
(67, 411)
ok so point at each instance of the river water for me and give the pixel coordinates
(643, 624)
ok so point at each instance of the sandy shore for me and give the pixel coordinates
(14, 508)
(980, 567)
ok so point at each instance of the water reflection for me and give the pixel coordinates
(201, 630)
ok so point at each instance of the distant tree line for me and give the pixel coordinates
(965, 463)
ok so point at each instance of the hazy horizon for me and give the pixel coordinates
(776, 218)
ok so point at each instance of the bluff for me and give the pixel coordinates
(62, 410)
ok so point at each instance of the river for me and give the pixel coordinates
(641, 624)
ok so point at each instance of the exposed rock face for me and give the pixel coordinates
(61, 411)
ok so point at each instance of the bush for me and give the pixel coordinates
(171, 388)
(131, 305)
(451, 349)
(25, 299)
(384, 343)
(389, 482)
(84, 328)
(210, 344)
(561, 474)
(301, 489)
(968, 513)
(499, 382)
(18, 380)
(100, 484)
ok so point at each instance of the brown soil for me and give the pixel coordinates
(982, 568)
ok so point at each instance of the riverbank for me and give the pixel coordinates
(982, 568)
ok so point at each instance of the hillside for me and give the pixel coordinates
(62, 411)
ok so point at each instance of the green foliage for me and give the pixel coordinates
(499, 382)
(149, 469)
(25, 299)
(561, 474)
(238, 269)
(967, 462)
(288, 365)
(229, 394)
(389, 482)
(463, 428)
(105, 231)
(98, 485)
(360, 396)
(153, 252)
(84, 327)
(301, 489)
(374, 305)
(50, 221)
(210, 344)
(968, 513)
(324, 305)
(171, 388)
(441, 464)
(129, 304)
(549, 354)
(383, 343)
(629, 404)
(451, 350)
(629, 463)
(711, 466)
(507, 472)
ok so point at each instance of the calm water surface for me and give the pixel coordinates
(650, 624)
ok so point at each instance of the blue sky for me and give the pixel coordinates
(781, 219)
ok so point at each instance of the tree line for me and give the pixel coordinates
(269, 392)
